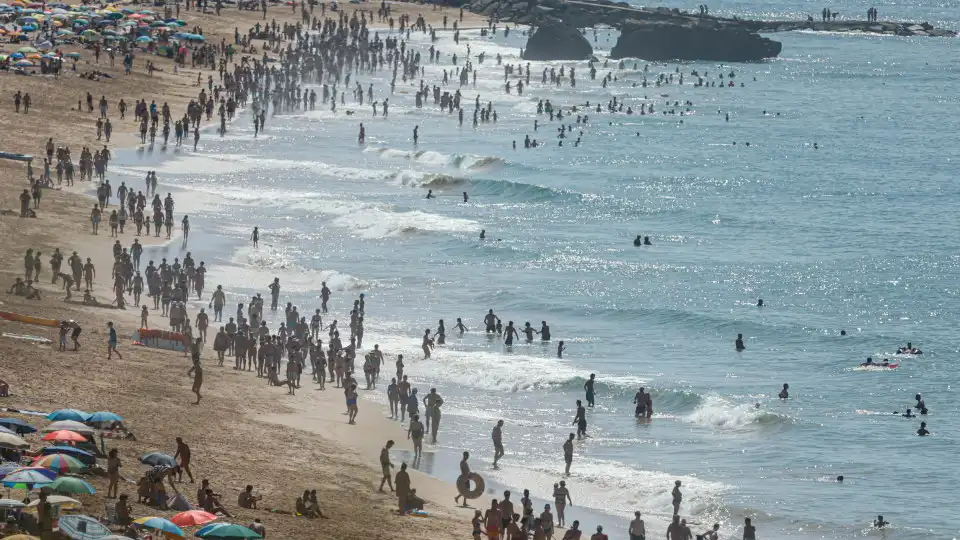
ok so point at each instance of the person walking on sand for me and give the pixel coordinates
(197, 372)
(112, 342)
(385, 465)
(183, 452)
(561, 496)
(463, 481)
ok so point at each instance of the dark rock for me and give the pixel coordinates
(557, 41)
(671, 42)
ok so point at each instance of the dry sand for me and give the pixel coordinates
(243, 432)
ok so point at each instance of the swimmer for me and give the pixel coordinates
(908, 413)
(739, 343)
(784, 394)
(760, 302)
(646, 241)
(588, 388)
(483, 234)
(460, 327)
(909, 349)
(843, 332)
(640, 400)
(869, 362)
(560, 349)
(429, 193)
(465, 198)
(880, 522)
(840, 479)
(638, 241)
(922, 432)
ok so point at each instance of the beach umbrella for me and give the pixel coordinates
(64, 435)
(114, 15)
(7, 468)
(82, 528)
(69, 425)
(10, 504)
(158, 458)
(27, 50)
(68, 414)
(144, 39)
(103, 417)
(12, 441)
(58, 500)
(226, 531)
(3, 429)
(60, 463)
(27, 479)
(81, 22)
(161, 525)
(16, 56)
(72, 55)
(21, 537)
(72, 485)
(71, 451)
(192, 518)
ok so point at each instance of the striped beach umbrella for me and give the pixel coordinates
(59, 463)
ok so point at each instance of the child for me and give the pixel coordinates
(560, 349)
(143, 317)
(64, 328)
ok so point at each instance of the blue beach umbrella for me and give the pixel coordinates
(15, 423)
(68, 414)
(102, 417)
(28, 478)
(158, 458)
(227, 531)
(165, 526)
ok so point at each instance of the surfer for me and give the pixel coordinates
(869, 362)
(739, 344)
(784, 394)
(909, 349)
(588, 388)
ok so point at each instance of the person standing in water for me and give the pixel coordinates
(784, 394)
(640, 400)
(497, 442)
(256, 237)
(568, 454)
(677, 498)
(560, 349)
(580, 419)
(739, 343)
(460, 327)
(588, 388)
(490, 320)
(509, 333)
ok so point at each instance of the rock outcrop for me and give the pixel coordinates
(589, 13)
(557, 41)
(659, 42)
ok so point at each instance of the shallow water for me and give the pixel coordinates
(854, 235)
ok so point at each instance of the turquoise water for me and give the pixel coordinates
(855, 234)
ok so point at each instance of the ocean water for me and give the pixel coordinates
(856, 234)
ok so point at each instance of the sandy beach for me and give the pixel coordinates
(243, 432)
